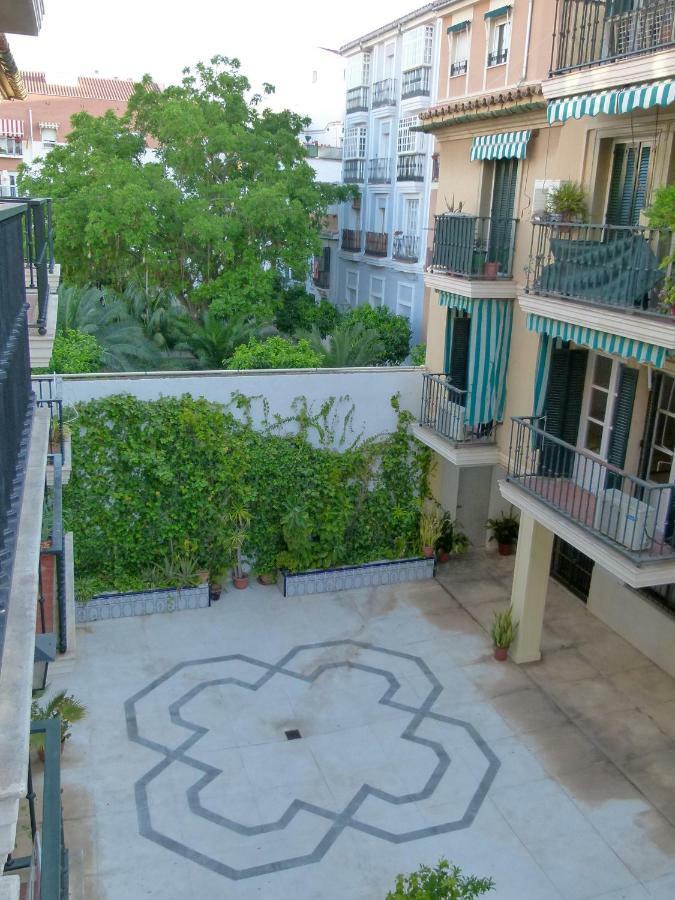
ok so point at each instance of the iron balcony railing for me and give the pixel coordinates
(384, 93)
(377, 243)
(406, 247)
(632, 516)
(411, 167)
(444, 411)
(474, 246)
(357, 99)
(592, 32)
(497, 57)
(416, 82)
(353, 171)
(459, 68)
(322, 280)
(351, 240)
(16, 398)
(608, 265)
(379, 171)
(38, 250)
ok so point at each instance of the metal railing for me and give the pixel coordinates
(608, 265)
(416, 82)
(353, 171)
(592, 32)
(459, 68)
(474, 246)
(16, 399)
(411, 167)
(406, 247)
(384, 93)
(357, 99)
(48, 395)
(38, 250)
(379, 171)
(351, 240)
(444, 411)
(497, 57)
(632, 516)
(377, 243)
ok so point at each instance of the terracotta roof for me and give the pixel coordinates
(483, 106)
(86, 88)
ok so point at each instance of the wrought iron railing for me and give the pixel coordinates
(48, 395)
(592, 32)
(38, 250)
(474, 246)
(497, 57)
(379, 171)
(406, 247)
(357, 99)
(351, 240)
(459, 68)
(411, 167)
(609, 265)
(353, 171)
(633, 516)
(384, 93)
(444, 411)
(377, 243)
(416, 82)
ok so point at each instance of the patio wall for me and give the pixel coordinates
(369, 389)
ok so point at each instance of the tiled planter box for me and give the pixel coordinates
(347, 578)
(141, 603)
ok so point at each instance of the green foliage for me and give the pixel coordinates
(431, 527)
(62, 706)
(275, 353)
(504, 529)
(172, 473)
(75, 352)
(504, 629)
(451, 539)
(661, 213)
(349, 344)
(213, 339)
(298, 311)
(442, 882)
(568, 200)
(418, 355)
(393, 332)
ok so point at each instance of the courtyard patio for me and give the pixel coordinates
(314, 747)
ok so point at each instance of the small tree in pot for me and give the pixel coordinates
(441, 882)
(568, 202)
(431, 528)
(451, 540)
(503, 633)
(62, 706)
(239, 519)
(505, 531)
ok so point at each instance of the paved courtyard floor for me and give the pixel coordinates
(556, 779)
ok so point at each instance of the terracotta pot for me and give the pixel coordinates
(490, 271)
(267, 579)
(505, 549)
(428, 552)
(501, 653)
(443, 556)
(240, 583)
(214, 593)
(203, 575)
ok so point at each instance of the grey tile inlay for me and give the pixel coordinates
(330, 823)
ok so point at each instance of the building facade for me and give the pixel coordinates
(550, 333)
(326, 160)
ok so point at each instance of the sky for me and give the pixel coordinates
(275, 42)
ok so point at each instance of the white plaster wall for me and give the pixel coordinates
(370, 390)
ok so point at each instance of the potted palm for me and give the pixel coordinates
(567, 202)
(431, 527)
(503, 633)
(505, 531)
(239, 519)
(62, 706)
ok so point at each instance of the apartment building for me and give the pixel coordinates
(391, 79)
(550, 340)
(326, 160)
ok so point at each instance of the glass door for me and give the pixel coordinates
(597, 419)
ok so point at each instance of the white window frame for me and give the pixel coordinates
(48, 140)
(493, 39)
(457, 39)
(352, 284)
(10, 145)
(403, 307)
(611, 391)
(356, 142)
(409, 202)
(358, 70)
(418, 47)
(376, 296)
(379, 213)
(408, 141)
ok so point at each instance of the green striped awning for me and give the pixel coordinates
(614, 102)
(460, 26)
(490, 342)
(649, 354)
(506, 145)
(499, 11)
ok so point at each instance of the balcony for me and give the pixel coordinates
(416, 83)
(497, 58)
(357, 99)
(353, 171)
(406, 247)
(411, 167)
(630, 516)
(478, 247)
(443, 411)
(384, 93)
(605, 265)
(377, 243)
(459, 68)
(351, 240)
(379, 171)
(590, 35)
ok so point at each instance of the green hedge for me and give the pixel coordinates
(153, 479)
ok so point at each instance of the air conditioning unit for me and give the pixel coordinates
(625, 519)
(542, 190)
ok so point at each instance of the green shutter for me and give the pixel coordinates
(503, 203)
(650, 425)
(459, 354)
(615, 185)
(616, 7)
(628, 184)
(564, 397)
(576, 379)
(623, 416)
(641, 187)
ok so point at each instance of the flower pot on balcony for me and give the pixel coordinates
(490, 271)
(501, 654)
(428, 552)
(505, 549)
(240, 582)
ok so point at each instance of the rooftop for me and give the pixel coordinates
(85, 88)
(399, 23)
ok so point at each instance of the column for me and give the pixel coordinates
(530, 584)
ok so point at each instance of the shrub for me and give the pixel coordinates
(298, 311)
(394, 332)
(275, 353)
(443, 882)
(418, 355)
(75, 352)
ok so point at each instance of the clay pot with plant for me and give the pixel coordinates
(431, 528)
(503, 633)
(504, 530)
(62, 706)
(451, 542)
(239, 521)
(568, 203)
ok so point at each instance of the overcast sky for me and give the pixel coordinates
(276, 42)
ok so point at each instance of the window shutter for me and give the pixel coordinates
(503, 202)
(641, 187)
(623, 414)
(628, 184)
(614, 200)
(616, 7)
(650, 425)
(576, 379)
(564, 397)
(459, 354)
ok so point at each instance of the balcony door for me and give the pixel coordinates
(501, 211)
(457, 337)
(629, 183)
(658, 445)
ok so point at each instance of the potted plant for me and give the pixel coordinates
(490, 270)
(568, 202)
(451, 540)
(667, 297)
(62, 706)
(239, 520)
(431, 527)
(216, 585)
(505, 531)
(503, 633)
(440, 882)
(267, 578)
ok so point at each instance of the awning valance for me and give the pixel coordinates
(460, 26)
(505, 145)
(499, 11)
(53, 125)
(614, 102)
(648, 354)
(11, 127)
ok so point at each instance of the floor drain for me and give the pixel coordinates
(293, 734)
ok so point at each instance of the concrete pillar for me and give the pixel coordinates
(530, 584)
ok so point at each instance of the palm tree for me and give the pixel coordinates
(213, 339)
(157, 311)
(350, 344)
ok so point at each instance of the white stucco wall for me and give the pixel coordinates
(370, 390)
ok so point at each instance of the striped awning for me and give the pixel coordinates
(490, 342)
(613, 102)
(506, 145)
(648, 354)
(54, 125)
(459, 26)
(498, 12)
(11, 127)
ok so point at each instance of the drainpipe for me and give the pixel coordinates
(528, 35)
(30, 131)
